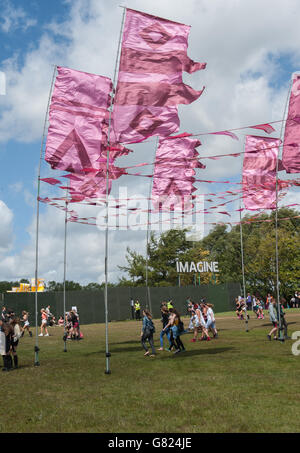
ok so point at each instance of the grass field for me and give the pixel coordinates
(240, 382)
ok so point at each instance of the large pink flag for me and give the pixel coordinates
(291, 144)
(175, 163)
(150, 85)
(78, 112)
(259, 172)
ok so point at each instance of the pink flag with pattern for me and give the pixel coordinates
(175, 163)
(150, 85)
(78, 113)
(291, 143)
(259, 172)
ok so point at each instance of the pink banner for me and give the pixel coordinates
(259, 172)
(291, 148)
(78, 112)
(91, 183)
(176, 160)
(150, 85)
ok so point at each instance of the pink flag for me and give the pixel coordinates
(92, 184)
(291, 143)
(259, 172)
(78, 112)
(150, 85)
(176, 160)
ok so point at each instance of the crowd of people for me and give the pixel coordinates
(13, 328)
(202, 321)
(276, 314)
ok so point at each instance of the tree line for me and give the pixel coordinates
(223, 244)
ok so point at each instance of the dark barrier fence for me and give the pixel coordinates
(90, 304)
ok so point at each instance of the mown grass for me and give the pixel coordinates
(240, 382)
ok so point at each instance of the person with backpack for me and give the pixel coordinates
(177, 329)
(147, 332)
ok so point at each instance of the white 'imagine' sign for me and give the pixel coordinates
(201, 266)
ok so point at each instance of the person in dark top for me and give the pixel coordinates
(164, 319)
(8, 331)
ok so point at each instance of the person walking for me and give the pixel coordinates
(284, 325)
(273, 319)
(44, 323)
(147, 332)
(164, 320)
(26, 326)
(177, 329)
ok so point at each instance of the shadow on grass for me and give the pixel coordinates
(165, 354)
(194, 352)
(269, 324)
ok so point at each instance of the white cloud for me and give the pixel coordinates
(6, 228)
(13, 18)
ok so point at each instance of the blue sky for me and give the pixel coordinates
(249, 65)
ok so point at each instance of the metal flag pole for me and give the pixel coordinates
(243, 271)
(36, 348)
(65, 271)
(148, 296)
(242, 255)
(280, 336)
(107, 353)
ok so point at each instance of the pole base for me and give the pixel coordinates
(107, 372)
(36, 363)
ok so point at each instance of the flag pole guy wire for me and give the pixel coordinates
(36, 348)
(242, 256)
(148, 296)
(280, 336)
(107, 353)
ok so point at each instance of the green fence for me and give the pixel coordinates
(90, 304)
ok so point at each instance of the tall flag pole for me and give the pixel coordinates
(243, 270)
(148, 296)
(242, 256)
(36, 348)
(280, 336)
(65, 271)
(107, 353)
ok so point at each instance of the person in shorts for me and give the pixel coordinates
(273, 320)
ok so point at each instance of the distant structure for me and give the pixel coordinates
(29, 287)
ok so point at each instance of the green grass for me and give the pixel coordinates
(240, 382)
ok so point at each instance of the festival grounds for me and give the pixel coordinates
(240, 382)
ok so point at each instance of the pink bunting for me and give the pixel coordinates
(230, 134)
(265, 127)
(51, 181)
